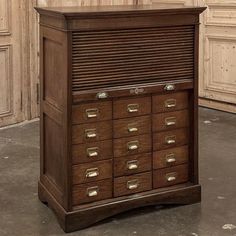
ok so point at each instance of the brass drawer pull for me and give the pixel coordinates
(169, 87)
(170, 121)
(131, 108)
(170, 103)
(170, 158)
(102, 95)
(171, 177)
(133, 145)
(92, 152)
(93, 172)
(132, 165)
(90, 133)
(170, 139)
(92, 113)
(132, 184)
(93, 191)
(132, 128)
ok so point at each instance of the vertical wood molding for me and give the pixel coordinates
(5, 17)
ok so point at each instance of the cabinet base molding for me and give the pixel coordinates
(88, 214)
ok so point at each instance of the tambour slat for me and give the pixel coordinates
(112, 58)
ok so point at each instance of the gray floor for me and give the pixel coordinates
(23, 215)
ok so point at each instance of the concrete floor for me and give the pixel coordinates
(22, 214)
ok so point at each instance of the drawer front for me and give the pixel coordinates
(132, 145)
(170, 157)
(170, 176)
(92, 112)
(131, 107)
(170, 102)
(92, 132)
(132, 184)
(91, 192)
(169, 139)
(132, 164)
(131, 126)
(170, 120)
(89, 172)
(90, 152)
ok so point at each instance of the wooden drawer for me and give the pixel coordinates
(131, 126)
(90, 152)
(91, 132)
(132, 164)
(170, 102)
(89, 172)
(170, 176)
(131, 107)
(91, 192)
(169, 139)
(132, 145)
(132, 184)
(170, 157)
(92, 112)
(170, 120)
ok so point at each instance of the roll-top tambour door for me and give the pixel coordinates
(111, 58)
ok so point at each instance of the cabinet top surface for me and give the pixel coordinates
(75, 11)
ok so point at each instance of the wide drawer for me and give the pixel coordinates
(170, 176)
(92, 112)
(170, 120)
(90, 152)
(91, 192)
(132, 145)
(132, 164)
(170, 102)
(89, 172)
(132, 184)
(131, 126)
(131, 107)
(91, 132)
(170, 157)
(169, 139)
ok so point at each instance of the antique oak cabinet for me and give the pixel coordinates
(119, 111)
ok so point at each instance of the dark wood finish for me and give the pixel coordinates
(176, 175)
(108, 85)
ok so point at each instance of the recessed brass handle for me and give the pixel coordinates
(133, 145)
(169, 87)
(131, 108)
(132, 184)
(170, 103)
(132, 165)
(171, 176)
(93, 172)
(90, 133)
(132, 128)
(170, 139)
(170, 158)
(92, 152)
(170, 121)
(102, 95)
(93, 191)
(92, 113)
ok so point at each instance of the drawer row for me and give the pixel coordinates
(127, 185)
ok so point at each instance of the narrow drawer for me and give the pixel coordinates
(169, 139)
(170, 157)
(131, 107)
(91, 112)
(132, 145)
(132, 184)
(170, 176)
(131, 126)
(90, 152)
(85, 173)
(132, 164)
(91, 132)
(170, 102)
(170, 120)
(91, 192)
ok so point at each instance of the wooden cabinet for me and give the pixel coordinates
(119, 114)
